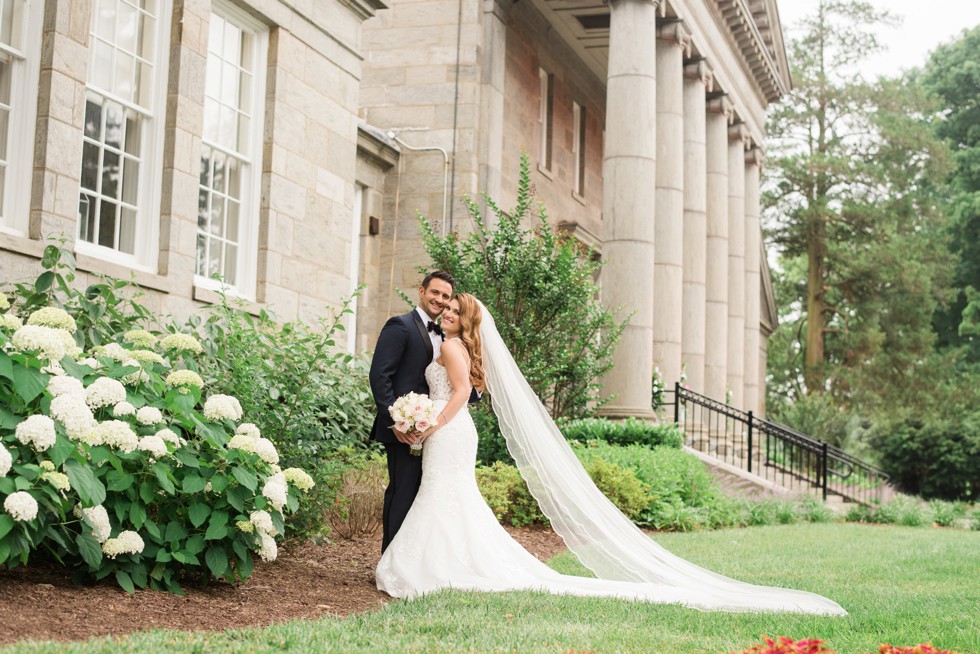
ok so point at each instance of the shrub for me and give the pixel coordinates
(627, 432)
(620, 485)
(505, 491)
(308, 398)
(541, 289)
(357, 508)
(813, 510)
(947, 514)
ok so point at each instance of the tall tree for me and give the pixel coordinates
(953, 74)
(852, 199)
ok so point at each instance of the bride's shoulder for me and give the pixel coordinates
(455, 347)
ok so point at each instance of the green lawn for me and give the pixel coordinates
(901, 585)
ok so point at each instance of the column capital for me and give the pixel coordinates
(700, 71)
(738, 132)
(720, 104)
(675, 33)
(754, 156)
(657, 4)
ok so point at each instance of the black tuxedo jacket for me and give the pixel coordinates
(398, 367)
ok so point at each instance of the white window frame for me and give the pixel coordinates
(578, 147)
(147, 239)
(546, 118)
(247, 266)
(25, 74)
(355, 266)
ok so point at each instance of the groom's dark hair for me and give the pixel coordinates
(439, 274)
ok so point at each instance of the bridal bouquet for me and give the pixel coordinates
(413, 411)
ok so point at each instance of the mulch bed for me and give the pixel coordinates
(307, 581)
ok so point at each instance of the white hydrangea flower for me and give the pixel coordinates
(266, 451)
(299, 478)
(242, 442)
(184, 378)
(65, 385)
(21, 506)
(262, 522)
(57, 479)
(5, 461)
(181, 343)
(275, 491)
(51, 343)
(37, 431)
(146, 356)
(221, 407)
(72, 412)
(245, 526)
(10, 322)
(154, 445)
(140, 338)
(249, 429)
(4, 303)
(91, 362)
(53, 368)
(169, 436)
(137, 376)
(104, 391)
(114, 351)
(46, 465)
(99, 518)
(114, 433)
(127, 542)
(123, 409)
(53, 317)
(268, 551)
(149, 415)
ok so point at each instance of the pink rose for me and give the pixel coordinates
(422, 425)
(402, 426)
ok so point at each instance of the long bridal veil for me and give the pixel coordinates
(603, 539)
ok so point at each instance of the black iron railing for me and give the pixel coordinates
(772, 451)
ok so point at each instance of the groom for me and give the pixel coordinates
(407, 344)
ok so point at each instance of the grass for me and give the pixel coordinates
(901, 586)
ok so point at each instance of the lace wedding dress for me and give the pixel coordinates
(451, 539)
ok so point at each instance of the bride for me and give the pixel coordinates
(451, 538)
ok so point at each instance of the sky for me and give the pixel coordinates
(925, 25)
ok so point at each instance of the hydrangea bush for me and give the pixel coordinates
(118, 460)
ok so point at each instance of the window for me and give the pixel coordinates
(546, 116)
(119, 199)
(578, 146)
(20, 46)
(228, 195)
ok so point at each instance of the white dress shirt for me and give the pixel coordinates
(434, 337)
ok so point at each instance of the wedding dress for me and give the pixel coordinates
(451, 538)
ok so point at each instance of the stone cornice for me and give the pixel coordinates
(375, 146)
(745, 33)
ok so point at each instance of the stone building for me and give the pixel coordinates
(287, 145)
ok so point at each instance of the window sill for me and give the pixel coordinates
(204, 292)
(16, 241)
(140, 276)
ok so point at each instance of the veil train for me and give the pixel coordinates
(603, 539)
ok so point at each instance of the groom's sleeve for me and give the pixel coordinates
(387, 357)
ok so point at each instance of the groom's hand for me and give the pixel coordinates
(404, 437)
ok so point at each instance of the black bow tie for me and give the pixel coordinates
(434, 327)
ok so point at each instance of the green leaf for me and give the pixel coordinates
(198, 513)
(218, 526)
(175, 533)
(52, 253)
(195, 544)
(74, 369)
(147, 493)
(117, 480)
(162, 472)
(44, 281)
(245, 566)
(61, 450)
(89, 548)
(152, 529)
(29, 383)
(193, 483)
(137, 514)
(217, 560)
(125, 581)
(6, 366)
(8, 420)
(6, 524)
(83, 481)
(4, 551)
(187, 458)
(236, 497)
(245, 478)
(219, 483)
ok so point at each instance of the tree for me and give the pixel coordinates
(853, 197)
(953, 74)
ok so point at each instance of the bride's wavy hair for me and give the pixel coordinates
(470, 317)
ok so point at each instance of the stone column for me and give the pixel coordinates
(753, 298)
(629, 199)
(716, 274)
(736, 264)
(672, 43)
(697, 81)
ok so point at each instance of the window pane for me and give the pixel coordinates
(217, 223)
(93, 120)
(101, 75)
(107, 224)
(214, 258)
(231, 220)
(110, 174)
(132, 133)
(202, 251)
(90, 167)
(125, 75)
(206, 169)
(127, 231)
(86, 217)
(231, 263)
(105, 20)
(126, 26)
(131, 177)
(4, 128)
(113, 125)
(203, 212)
(234, 179)
(232, 43)
(219, 172)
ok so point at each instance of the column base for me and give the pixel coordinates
(621, 412)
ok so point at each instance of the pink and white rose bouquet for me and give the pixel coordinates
(413, 411)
